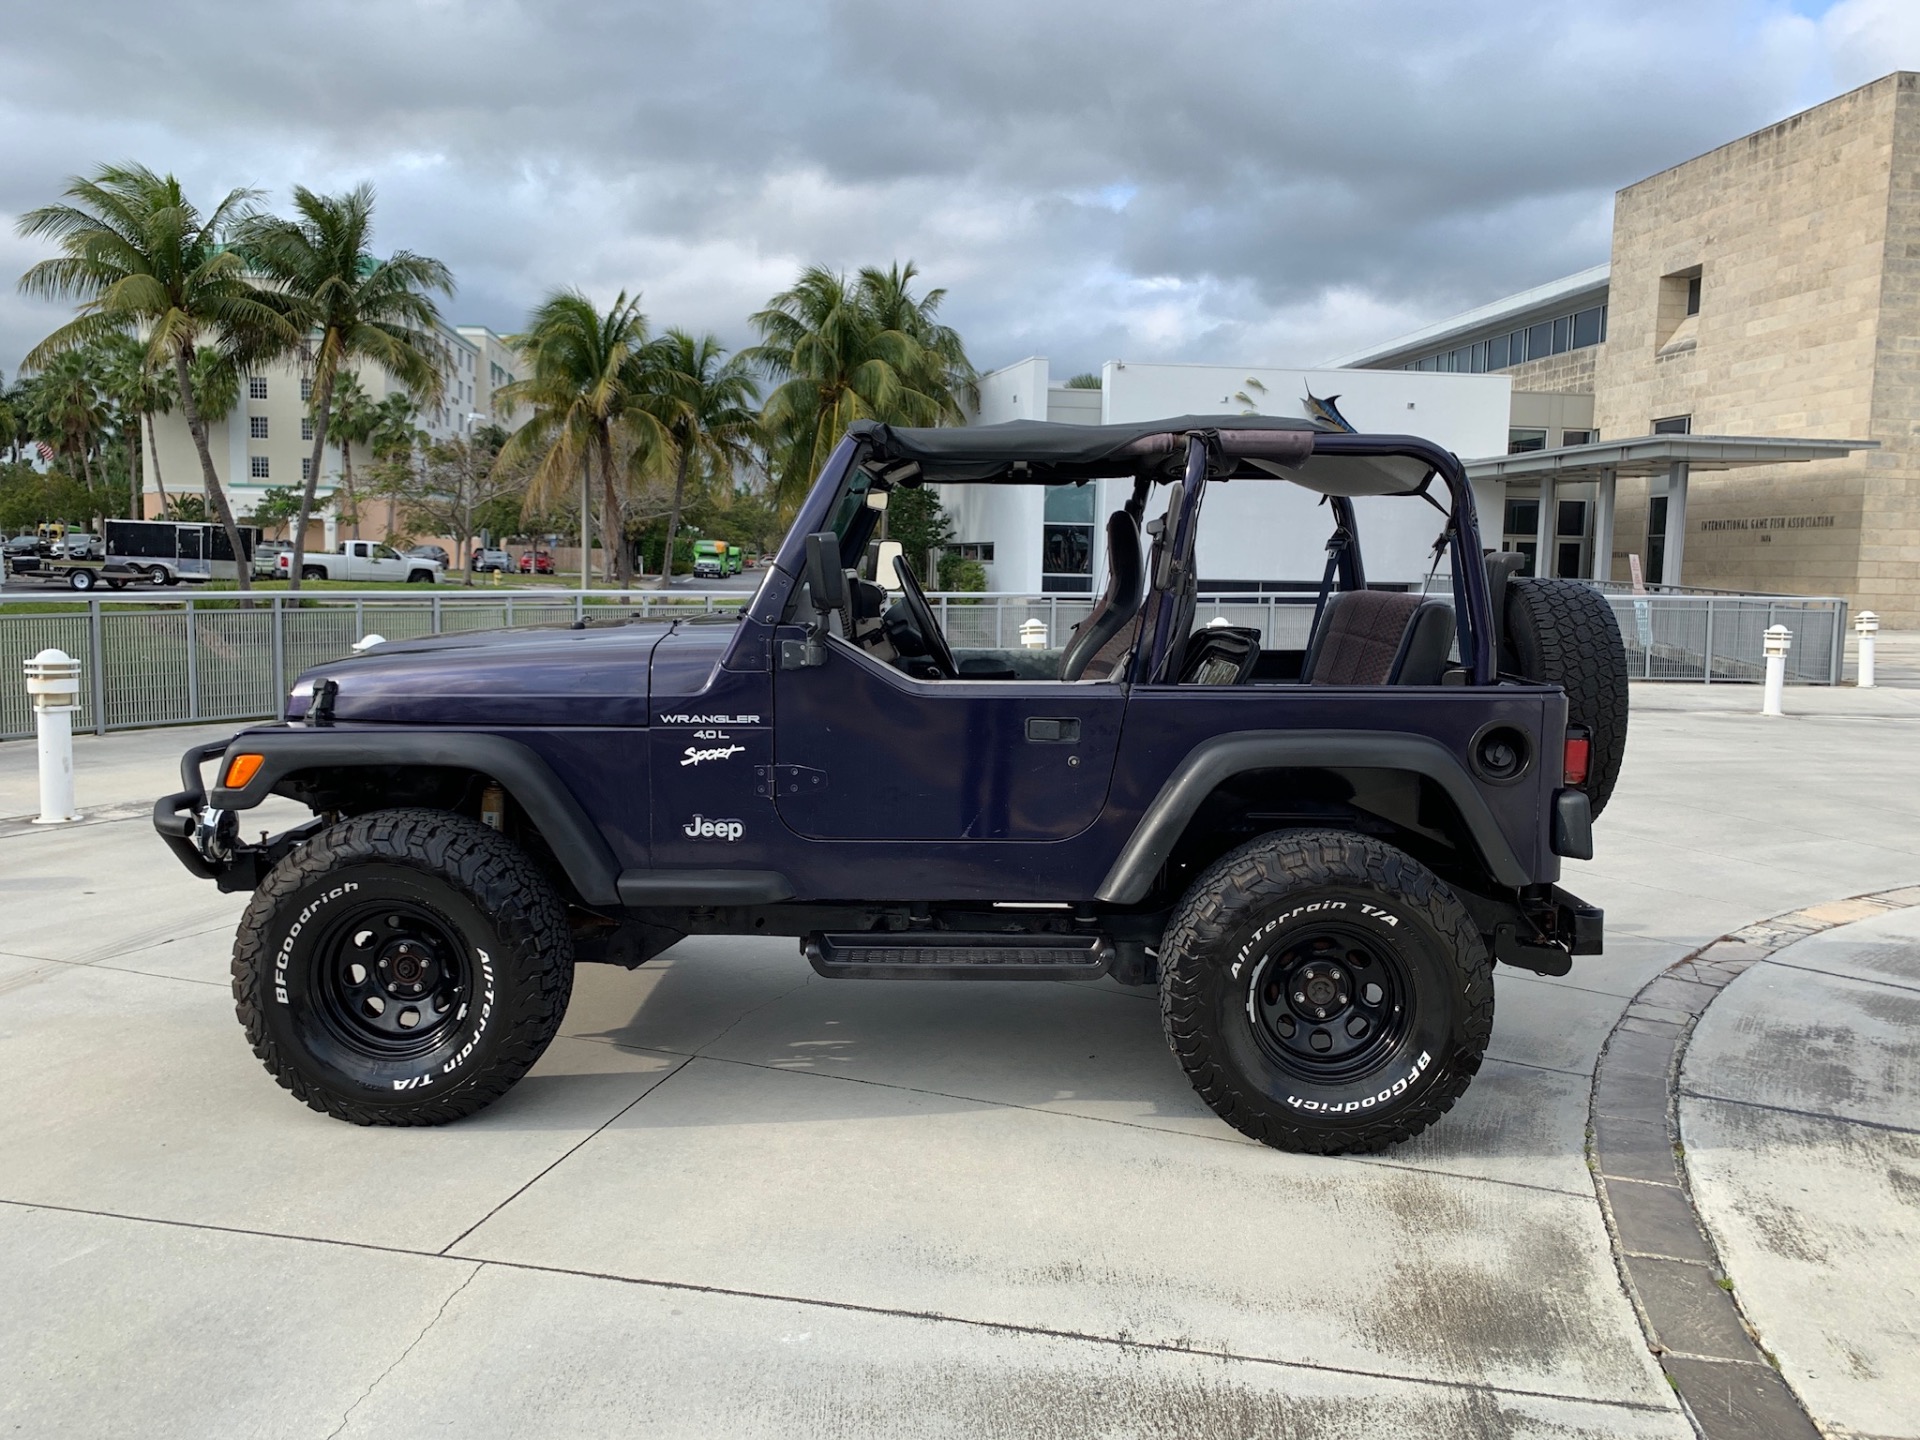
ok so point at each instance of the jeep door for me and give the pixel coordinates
(864, 752)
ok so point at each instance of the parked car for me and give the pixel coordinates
(20, 547)
(361, 560)
(496, 560)
(1317, 848)
(80, 545)
(536, 562)
(433, 552)
(266, 556)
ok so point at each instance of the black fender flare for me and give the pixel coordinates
(1214, 761)
(573, 838)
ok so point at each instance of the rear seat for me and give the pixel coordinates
(1380, 637)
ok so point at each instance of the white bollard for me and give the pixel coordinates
(1778, 640)
(53, 680)
(1033, 633)
(1868, 624)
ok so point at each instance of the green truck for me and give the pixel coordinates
(716, 559)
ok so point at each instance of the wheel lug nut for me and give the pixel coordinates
(1299, 997)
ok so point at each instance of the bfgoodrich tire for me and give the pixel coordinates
(402, 968)
(1325, 992)
(1563, 632)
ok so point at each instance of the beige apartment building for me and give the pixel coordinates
(1733, 402)
(267, 438)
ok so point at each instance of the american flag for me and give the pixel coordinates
(46, 451)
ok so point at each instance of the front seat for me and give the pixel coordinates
(1119, 604)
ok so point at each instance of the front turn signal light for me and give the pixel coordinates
(241, 769)
(1579, 751)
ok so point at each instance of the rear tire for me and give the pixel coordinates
(1563, 632)
(312, 572)
(403, 968)
(1325, 992)
(80, 579)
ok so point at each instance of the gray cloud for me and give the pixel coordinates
(1261, 182)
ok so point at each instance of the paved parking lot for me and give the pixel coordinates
(734, 1199)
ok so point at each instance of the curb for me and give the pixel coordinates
(1726, 1382)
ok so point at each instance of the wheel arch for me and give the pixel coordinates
(1212, 768)
(304, 761)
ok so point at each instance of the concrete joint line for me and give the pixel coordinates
(1727, 1382)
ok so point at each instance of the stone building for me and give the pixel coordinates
(1762, 300)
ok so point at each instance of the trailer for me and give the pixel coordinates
(79, 575)
(168, 551)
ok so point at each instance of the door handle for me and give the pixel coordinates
(1048, 730)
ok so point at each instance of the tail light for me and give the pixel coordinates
(1579, 752)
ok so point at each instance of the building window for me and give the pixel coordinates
(1066, 543)
(1521, 531)
(259, 468)
(1674, 425)
(1693, 295)
(981, 550)
(256, 387)
(1576, 437)
(257, 426)
(306, 427)
(1656, 538)
(306, 390)
(1519, 441)
(306, 467)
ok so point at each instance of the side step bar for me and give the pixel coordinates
(952, 955)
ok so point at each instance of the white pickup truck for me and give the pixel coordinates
(361, 560)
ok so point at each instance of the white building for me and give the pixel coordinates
(1255, 536)
(266, 440)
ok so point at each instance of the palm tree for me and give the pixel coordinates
(351, 423)
(138, 255)
(841, 352)
(587, 373)
(347, 305)
(139, 392)
(944, 373)
(704, 402)
(68, 409)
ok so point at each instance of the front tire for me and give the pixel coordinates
(1325, 992)
(403, 968)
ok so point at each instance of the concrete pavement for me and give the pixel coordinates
(735, 1199)
(1799, 1111)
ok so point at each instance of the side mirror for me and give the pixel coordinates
(826, 581)
(883, 571)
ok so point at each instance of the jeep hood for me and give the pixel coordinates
(555, 677)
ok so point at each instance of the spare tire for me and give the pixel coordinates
(1563, 632)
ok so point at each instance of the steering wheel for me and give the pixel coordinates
(938, 651)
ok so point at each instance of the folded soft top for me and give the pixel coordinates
(1047, 453)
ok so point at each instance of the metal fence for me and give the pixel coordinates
(153, 660)
(1709, 637)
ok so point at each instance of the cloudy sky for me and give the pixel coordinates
(1263, 181)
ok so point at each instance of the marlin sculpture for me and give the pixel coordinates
(1327, 412)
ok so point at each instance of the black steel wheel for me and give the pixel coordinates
(1325, 992)
(1330, 1004)
(403, 968)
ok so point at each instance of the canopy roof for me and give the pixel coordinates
(1658, 454)
(1042, 452)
